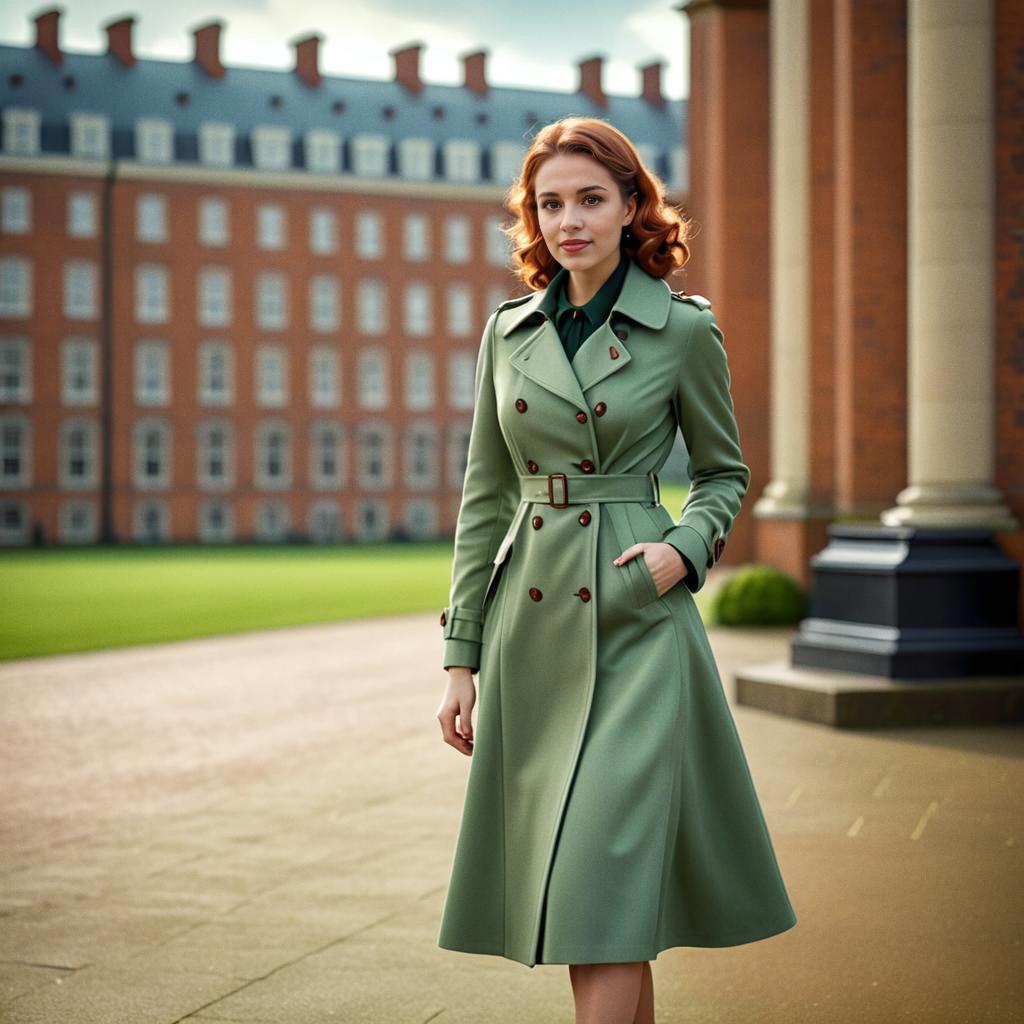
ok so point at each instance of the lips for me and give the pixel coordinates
(574, 245)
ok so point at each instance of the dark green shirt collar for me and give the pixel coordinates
(596, 310)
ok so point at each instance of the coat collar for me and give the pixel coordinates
(540, 356)
(644, 299)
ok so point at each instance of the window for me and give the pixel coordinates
(15, 451)
(78, 449)
(416, 238)
(679, 168)
(498, 245)
(324, 522)
(217, 144)
(419, 320)
(90, 136)
(152, 373)
(370, 155)
(150, 521)
(421, 518)
(214, 297)
(456, 239)
(16, 211)
(420, 456)
(323, 152)
(324, 307)
(461, 380)
(77, 522)
(373, 378)
(326, 467)
(372, 312)
(271, 301)
(323, 232)
(151, 451)
(273, 455)
(215, 469)
(375, 463)
(369, 235)
(216, 521)
(270, 226)
(154, 141)
(372, 516)
(14, 522)
(462, 160)
(324, 378)
(80, 290)
(21, 131)
(15, 370)
(506, 161)
(214, 229)
(273, 520)
(81, 215)
(15, 287)
(416, 159)
(152, 305)
(216, 373)
(419, 380)
(271, 376)
(79, 381)
(457, 453)
(151, 218)
(459, 310)
(272, 147)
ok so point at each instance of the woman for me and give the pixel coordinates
(609, 811)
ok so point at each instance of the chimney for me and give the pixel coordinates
(407, 66)
(47, 31)
(208, 48)
(119, 40)
(474, 71)
(590, 79)
(307, 59)
(651, 83)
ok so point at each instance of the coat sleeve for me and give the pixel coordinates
(718, 476)
(490, 496)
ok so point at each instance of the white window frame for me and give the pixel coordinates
(506, 160)
(16, 210)
(324, 377)
(90, 136)
(461, 380)
(208, 393)
(151, 364)
(373, 377)
(322, 151)
(369, 151)
(23, 425)
(324, 303)
(271, 227)
(498, 245)
(213, 226)
(217, 144)
(458, 238)
(459, 309)
(372, 306)
(461, 159)
(271, 147)
(416, 237)
(154, 140)
(79, 362)
(15, 287)
(152, 294)
(142, 429)
(151, 217)
(271, 376)
(21, 131)
(323, 231)
(213, 297)
(89, 431)
(16, 364)
(419, 380)
(81, 290)
(369, 231)
(82, 220)
(418, 309)
(416, 158)
(271, 294)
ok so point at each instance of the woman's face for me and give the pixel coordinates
(579, 202)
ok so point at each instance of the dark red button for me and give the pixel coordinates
(587, 466)
(613, 352)
(584, 594)
(538, 522)
(444, 618)
(521, 404)
(600, 408)
(584, 517)
(582, 417)
(532, 466)
(535, 594)
(622, 334)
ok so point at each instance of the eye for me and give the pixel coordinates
(595, 197)
(546, 205)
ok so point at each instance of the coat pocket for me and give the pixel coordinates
(641, 581)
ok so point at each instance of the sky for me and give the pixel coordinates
(531, 43)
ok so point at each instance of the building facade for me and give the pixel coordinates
(242, 304)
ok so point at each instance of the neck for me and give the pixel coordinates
(583, 285)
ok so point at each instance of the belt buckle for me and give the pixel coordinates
(565, 491)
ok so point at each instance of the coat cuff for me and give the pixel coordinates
(691, 545)
(463, 636)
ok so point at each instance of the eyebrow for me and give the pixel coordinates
(586, 188)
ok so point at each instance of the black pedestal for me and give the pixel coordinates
(910, 603)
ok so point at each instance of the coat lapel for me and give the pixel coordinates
(541, 357)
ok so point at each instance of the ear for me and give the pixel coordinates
(631, 204)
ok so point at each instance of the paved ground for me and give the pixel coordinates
(259, 829)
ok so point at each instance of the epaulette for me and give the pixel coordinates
(517, 301)
(697, 300)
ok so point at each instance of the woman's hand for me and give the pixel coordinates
(664, 562)
(459, 698)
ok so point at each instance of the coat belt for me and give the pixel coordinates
(562, 489)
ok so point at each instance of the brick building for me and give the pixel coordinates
(245, 304)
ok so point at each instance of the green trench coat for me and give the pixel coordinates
(609, 811)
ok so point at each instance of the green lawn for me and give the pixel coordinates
(57, 600)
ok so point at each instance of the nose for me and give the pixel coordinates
(570, 217)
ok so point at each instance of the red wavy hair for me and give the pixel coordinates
(656, 238)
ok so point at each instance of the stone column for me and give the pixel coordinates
(951, 300)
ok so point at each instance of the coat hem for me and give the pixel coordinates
(613, 955)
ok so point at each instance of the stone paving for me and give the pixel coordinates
(258, 828)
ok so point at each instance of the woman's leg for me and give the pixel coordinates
(613, 993)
